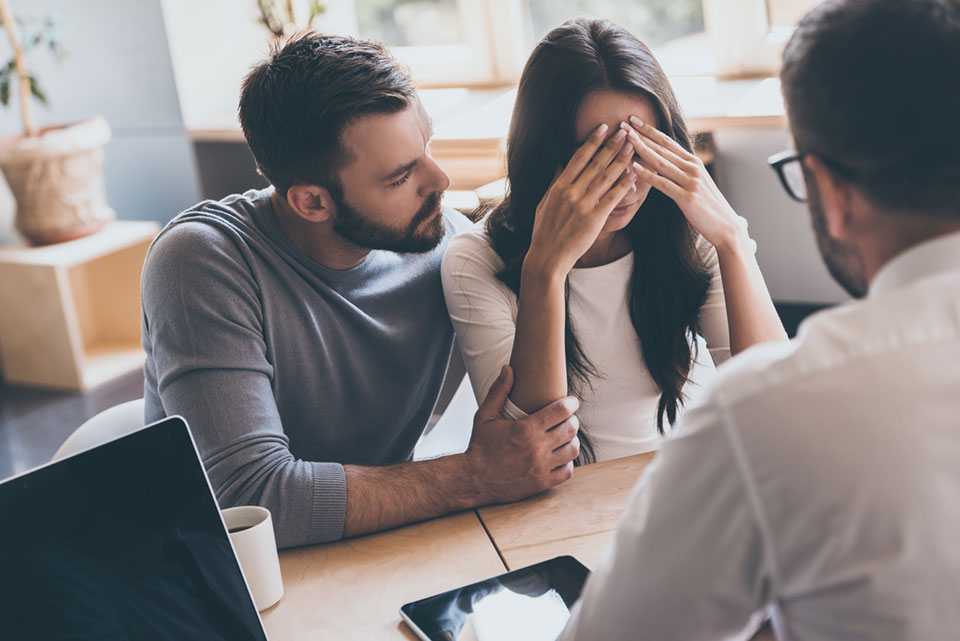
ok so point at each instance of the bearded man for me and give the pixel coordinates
(301, 330)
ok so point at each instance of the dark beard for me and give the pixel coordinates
(843, 263)
(362, 232)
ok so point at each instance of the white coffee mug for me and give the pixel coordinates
(251, 533)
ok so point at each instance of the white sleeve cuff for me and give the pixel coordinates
(512, 412)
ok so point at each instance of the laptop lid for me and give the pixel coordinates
(121, 541)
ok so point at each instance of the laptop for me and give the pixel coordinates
(122, 541)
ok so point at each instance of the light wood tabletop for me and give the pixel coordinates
(353, 589)
(578, 517)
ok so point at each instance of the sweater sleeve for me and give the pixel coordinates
(203, 330)
(483, 310)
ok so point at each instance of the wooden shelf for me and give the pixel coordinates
(70, 312)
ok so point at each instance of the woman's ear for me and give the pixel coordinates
(833, 196)
(312, 203)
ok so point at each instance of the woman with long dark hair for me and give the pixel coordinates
(613, 269)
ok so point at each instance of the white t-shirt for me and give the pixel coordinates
(619, 411)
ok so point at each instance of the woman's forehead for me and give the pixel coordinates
(606, 106)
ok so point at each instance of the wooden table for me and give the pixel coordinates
(353, 589)
(577, 518)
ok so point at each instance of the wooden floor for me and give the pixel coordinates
(33, 423)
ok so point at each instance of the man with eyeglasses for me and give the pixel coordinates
(819, 481)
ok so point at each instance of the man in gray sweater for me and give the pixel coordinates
(301, 330)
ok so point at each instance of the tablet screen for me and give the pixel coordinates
(531, 603)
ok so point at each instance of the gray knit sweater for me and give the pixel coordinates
(285, 369)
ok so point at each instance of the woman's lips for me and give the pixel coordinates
(623, 210)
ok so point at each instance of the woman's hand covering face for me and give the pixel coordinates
(682, 176)
(572, 213)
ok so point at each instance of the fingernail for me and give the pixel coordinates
(620, 135)
(601, 130)
(637, 167)
(636, 121)
(627, 149)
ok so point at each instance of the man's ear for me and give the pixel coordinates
(836, 199)
(312, 203)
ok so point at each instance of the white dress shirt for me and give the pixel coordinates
(819, 479)
(619, 410)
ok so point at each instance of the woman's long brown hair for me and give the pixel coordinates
(670, 282)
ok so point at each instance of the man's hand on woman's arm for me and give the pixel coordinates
(505, 461)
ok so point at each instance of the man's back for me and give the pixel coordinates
(851, 444)
(819, 477)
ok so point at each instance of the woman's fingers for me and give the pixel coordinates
(685, 172)
(581, 158)
(609, 176)
(656, 163)
(601, 160)
(658, 136)
(616, 193)
(655, 180)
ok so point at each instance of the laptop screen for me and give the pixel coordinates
(122, 541)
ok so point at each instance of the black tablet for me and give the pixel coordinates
(531, 604)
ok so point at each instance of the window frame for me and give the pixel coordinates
(742, 41)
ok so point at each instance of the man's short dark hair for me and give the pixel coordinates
(295, 104)
(873, 87)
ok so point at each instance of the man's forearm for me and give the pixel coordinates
(383, 497)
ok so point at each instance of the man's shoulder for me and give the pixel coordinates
(209, 239)
(831, 339)
(211, 226)
(767, 367)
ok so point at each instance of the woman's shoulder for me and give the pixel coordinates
(472, 250)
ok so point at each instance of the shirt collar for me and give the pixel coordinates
(931, 257)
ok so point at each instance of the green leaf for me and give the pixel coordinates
(36, 90)
(316, 9)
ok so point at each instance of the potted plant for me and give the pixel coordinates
(285, 17)
(55, 173)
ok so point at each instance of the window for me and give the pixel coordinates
(787, 13)
(445, 41)
(469, 43)
(458, 42)
(655, 22)
(748, 35)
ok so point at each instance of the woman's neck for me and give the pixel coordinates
(607, 248)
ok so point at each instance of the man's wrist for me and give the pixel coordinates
(465, 482)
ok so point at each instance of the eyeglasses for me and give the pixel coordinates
(789, 167)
